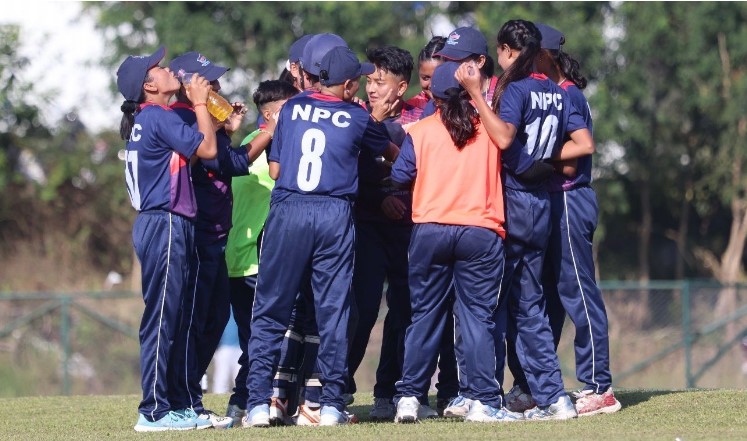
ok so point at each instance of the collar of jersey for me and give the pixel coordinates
(180, 105)
(148, 103)
(323, 97)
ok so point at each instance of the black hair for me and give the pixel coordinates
(287, 76)
(458, 115)
(429, 50)
(570, 68)
(392, 59)
(521, 35)
(273, 90)
(129, 108)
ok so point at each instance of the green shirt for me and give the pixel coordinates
(251, 204)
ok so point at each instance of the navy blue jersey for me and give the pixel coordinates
(317, 142)
(542, 113)
(557, 181)
(212, 182)
(157, 161)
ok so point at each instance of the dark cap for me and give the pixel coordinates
(340, 64)
(316, 48)
(443, 79)
(296, 50)
(195, 62)
(462, 43)
(551, 38)
(132, 72)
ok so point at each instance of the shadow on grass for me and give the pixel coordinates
(630, 398)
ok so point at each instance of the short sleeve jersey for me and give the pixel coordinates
(557, 181)
(157, 156)
(542, 114)
(317, 142)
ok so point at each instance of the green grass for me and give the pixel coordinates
(655, 415)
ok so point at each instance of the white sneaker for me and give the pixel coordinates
(483, 413)
(407, 410)
(382, 410)
(562, 409)
(330, 416)
(589, 403)
(218, 422)
(259, 416)
(278, 412)
(518, 401)
(458, 407)
(308, 416)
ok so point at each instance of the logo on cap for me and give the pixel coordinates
(453, 38)
(202, 60)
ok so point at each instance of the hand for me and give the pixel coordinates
(468, 75)
(382, 109)
(198, 89)
(393, 207)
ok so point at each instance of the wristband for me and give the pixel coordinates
(194, 106)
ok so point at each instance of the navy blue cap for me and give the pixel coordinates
(462, 43)
(132, 72)
(195, 62)
(296, 50)
(551, 38)
(443, 79)
(316, 48)
(340, 64)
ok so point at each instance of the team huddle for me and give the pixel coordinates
(468, 206)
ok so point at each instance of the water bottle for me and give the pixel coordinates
(218, 106)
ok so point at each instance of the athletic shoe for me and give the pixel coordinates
(458, 407)
(236, 414)
(382, 410)
(219, 422)
(330, 416)
(172, 421)
(588, 403)
(200, 423)
(426, 412)
(278, 412)
(407, 410)
(308, 416)
(259, 416)
(348, 399)
(518, 401)
(562, 409)
(443, 403)
(484, 413)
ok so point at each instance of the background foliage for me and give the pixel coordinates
(667, 90)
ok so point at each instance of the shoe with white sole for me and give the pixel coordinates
(458, 407)
(308, 416)
(200, 423)
(218, 422)
(562, 409)
(330, 416)
(484, 413)
(259, 416)
(279, 412)
(589, 403)
(236, 414)
(171, 421)
(382, 410)
(407, 410)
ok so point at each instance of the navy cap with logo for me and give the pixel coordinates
(195, 62)
(296, 50)
(340, 64)
(316, 48)
(443, 79)
(551, 38)
(462, 43)
(132, 72)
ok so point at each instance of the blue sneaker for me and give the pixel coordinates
(199, 423)
(484, 413)
(259, 416)
(563, 409)
(458, 407)
(330, 416)
(172, 421)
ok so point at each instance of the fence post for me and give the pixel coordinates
(65, 336)
(687, 333)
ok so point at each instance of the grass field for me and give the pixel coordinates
(646, 415)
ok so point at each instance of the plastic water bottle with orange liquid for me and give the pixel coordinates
(218, 106)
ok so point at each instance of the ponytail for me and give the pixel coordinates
(128, 109)
(570, 68)
(523, 36)
(459, 116)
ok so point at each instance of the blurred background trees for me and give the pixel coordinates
(667, 91)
